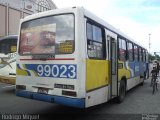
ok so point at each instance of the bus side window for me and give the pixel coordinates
(140, 54)
(147, 60)
(4, 48)
(122, 49)
(95, 42)
(108, 46)
(13, 45)
(135, 53)
(8, 46)
(144, 55)
(130, 51)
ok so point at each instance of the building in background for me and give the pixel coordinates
(11, 11)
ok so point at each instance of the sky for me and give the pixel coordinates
(135, 18)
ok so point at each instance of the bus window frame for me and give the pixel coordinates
(128, 51)
(140, 54)
(12, 42)
(144, 55)
(103, 43)
(125, 56)
(136, 58)
(74, 32)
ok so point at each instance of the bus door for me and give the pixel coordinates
(112, 51)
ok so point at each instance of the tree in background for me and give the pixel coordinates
(154, 57)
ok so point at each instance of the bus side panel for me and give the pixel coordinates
(142, 67)
(97, 96)
(143, 71)
(97, 74)
(132, 72)
(122, 70)
(97, 81)
(127, 70)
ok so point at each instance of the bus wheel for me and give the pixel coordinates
(122, 92)
(141, 84)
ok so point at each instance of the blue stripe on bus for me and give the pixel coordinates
(53, 70)
(74, 102)
(136, 67)
(28, 73)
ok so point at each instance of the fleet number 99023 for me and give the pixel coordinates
(57, 70)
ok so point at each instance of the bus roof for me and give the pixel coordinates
(110, 27)
(86, 13)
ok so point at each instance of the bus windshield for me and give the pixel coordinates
(48, 35)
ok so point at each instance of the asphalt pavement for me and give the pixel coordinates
(138, 103)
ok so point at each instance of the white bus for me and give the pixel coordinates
(8, 46)
(71, 57)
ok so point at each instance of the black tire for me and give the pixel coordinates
(144, 78)
(122, 92)
(141, 84)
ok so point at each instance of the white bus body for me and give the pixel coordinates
(8, 47)
(73, 69)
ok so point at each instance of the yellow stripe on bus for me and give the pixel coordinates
(21, 72)
(25, 72)
(123, 71)
(97, 73)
